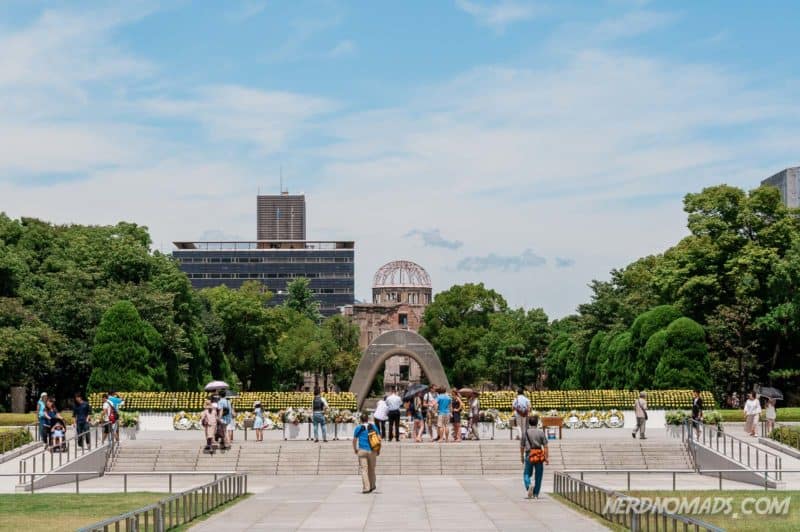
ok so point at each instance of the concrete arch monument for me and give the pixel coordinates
(391, 343)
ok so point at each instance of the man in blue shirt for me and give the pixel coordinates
(367, 458)
(444, 400)
(80, 415)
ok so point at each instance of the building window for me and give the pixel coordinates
(369, 337)
(404, 372)
(402, 319)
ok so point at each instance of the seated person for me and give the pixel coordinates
(57, 433)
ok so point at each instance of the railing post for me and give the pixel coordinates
(170, 482)
(77, 484)
(720, 480)
(673, 480)
(629, 480)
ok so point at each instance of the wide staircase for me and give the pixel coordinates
(336, 457)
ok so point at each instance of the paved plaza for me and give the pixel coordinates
(400, 503)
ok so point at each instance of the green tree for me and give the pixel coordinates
(122, 356)
(344, 335)
(643, 328)
(514, 346)
(455, 322)
(248, 330)
(684, 363)
(301, 299)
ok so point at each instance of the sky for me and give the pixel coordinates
(529, 145)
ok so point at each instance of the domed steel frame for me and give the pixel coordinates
(401, 274)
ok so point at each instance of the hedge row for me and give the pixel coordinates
(13, 438)
(544, 400)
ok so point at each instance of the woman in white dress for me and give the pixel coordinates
(752, 410)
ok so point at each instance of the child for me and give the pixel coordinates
(771, 416)
(209, 421)
(258, 422)
(57, 434)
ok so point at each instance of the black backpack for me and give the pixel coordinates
(318, 404)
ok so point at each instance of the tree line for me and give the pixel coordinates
(91, 307)
(720, 310)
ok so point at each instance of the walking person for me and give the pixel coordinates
(752, 410)
(640, 411)
(534, 454)
(381, 416)
(432, 415)
(418, 417)
(44, 421)
(457, 406)
(522, 408)
(697, 412)
(367, 455)
(394, 402)
(474, 417)
(444, 401)
(226, 419)
(81, 413)
(771, 416)
(318, 409)
(258, 420)
(209, 421)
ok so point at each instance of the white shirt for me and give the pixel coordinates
(382, 411)
(521, 403)
(752, 407)
(394, 402)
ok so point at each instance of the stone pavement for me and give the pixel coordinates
(400, 503)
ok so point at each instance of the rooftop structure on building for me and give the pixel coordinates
(281, 216)
(328, 265)
(788, 182)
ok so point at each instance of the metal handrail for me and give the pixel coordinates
(595, 500)
(675, 473)
(39, 463)
(80, 475)
(748, 454)
(178, 509)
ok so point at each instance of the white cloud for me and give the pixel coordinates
(585, 158)
(266, 119)
(498, 15)
(633, 23)
(342, 49)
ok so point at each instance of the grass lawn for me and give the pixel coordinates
(57, 511)
(738, 520)
(784, 414)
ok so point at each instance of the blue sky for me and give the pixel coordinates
(531, 145)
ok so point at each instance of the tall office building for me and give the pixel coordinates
(788, 182)
(281, 217)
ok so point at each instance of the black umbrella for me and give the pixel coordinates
(770, 393)
(413, 390)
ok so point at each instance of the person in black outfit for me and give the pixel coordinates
(394, 403)
(81, 413)
(697, 411)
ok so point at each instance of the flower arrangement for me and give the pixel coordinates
(676, 417)
(584, 400)
(193, 401)
(344, 416)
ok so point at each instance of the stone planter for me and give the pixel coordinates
(486, 430)
(344, 431)
(295, 431)
(674, 431)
